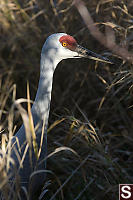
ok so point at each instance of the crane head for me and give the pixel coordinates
(63, 46)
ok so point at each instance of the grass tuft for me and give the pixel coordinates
(90, 125)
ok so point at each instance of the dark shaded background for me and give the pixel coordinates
(84, 92)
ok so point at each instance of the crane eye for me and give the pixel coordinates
(64, 44)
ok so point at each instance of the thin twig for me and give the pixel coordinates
(108, 40)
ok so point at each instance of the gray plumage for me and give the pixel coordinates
(52, 53)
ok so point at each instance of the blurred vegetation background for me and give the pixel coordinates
(92, 102)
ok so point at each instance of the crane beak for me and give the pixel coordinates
(83, 52)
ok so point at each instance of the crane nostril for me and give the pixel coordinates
(83, 52)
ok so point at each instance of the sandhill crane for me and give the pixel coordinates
(57, 47)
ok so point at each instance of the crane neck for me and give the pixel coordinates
(41, 106)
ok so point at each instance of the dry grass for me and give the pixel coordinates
(90, 126)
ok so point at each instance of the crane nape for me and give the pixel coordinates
(57, 47)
